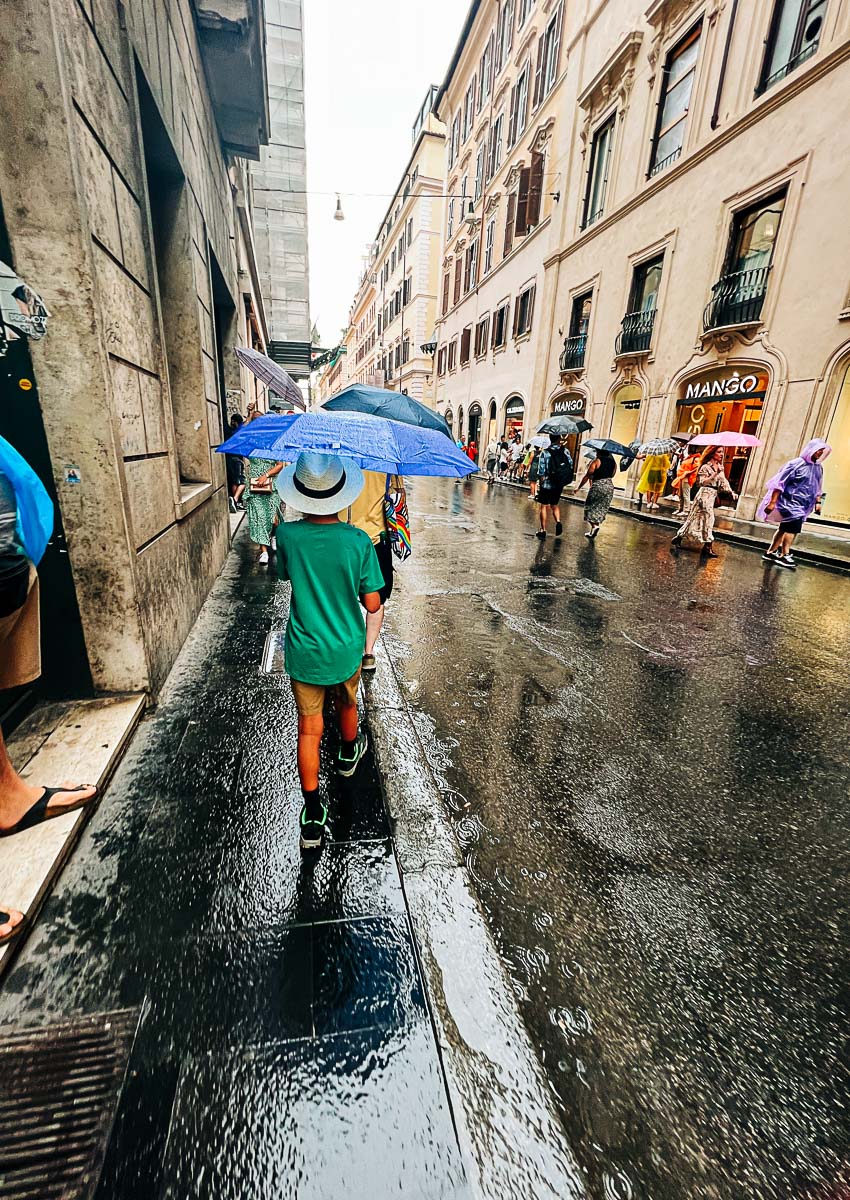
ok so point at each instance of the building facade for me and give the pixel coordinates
(394, 310)
(126, 205)
(279, 182)
(503, 104)
(700, 275)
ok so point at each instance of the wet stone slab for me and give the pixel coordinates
(285, 1047)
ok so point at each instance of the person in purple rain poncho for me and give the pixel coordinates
(793, 494)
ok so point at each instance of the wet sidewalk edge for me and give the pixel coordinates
(511, 1138)
(819, 558)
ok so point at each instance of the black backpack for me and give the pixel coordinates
(560, 467)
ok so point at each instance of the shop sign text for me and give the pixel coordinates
(572, 405)
(747, 386)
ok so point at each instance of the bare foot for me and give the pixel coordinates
(17, 801)
(10, 919)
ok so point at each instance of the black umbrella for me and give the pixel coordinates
(610, 445)
(564, 426)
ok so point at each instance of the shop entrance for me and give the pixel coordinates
(726, 399)
(65, 667)
(491, 423)
(475, 429)
(571, 405)
(514, 417)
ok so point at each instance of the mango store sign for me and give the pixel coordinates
(570, 405)
(727, 387)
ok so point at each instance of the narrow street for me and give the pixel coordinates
(285, 1043)
(647, 762)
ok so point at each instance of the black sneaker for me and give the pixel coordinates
(313, 829)
(347, 766)
(785, 560)
(769, 556)
(541, 533)
(559, 529)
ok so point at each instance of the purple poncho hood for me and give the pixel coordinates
(800, 481)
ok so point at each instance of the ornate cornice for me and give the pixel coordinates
(513, 175)
(492, 202)
(616, 75)
(543, 136)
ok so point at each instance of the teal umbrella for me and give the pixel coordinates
(381, 402)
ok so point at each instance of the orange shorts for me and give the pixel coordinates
(310, 697)
(20, 633)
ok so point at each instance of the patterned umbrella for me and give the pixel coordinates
(565, 426)
(269, 373)
(659, 446)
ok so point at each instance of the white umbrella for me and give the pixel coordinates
(269, 373)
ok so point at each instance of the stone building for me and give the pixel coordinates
(699, 275)
(504, 107)
(125, 204)
(395, 307)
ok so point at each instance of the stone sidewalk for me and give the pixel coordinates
(286, 1047)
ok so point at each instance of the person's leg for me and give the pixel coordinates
(10, 922)
(556, 513)
(353, 741)
(310, 730)
(18, 797)
(374, 624)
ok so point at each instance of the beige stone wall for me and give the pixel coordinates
(147, 527)
(791, 135)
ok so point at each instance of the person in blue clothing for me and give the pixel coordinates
(25, 524)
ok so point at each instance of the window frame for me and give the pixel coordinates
(524, 12)
(610, 124)
(469, 110)
(501, 317)
(520, 87)
(504, 37)
(465, 346)
(452, 355)
(482, 336)
(494, 146)
(527, 295)
(769, 78)
(694, 34)
(489, 245)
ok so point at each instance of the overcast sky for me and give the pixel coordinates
(368, 67)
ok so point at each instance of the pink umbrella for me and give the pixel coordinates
(725, 439)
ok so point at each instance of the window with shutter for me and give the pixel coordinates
(479, 172)
(597, 176)
(539, 71)
(458, 279)
(489, 245)
(446, 286)
(509, 224)
(535, 189)
(521, 227)
(465, 344)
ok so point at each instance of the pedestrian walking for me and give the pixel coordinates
(517, 455)
(504, 459)
(26, 521)
(263, 503)
(332, 569)
(369, 513)
(235, 465)
(792, 495)
(699, 523)
(492, 458)
(653, 479)
(600, 475)
(472, 452)
(555, 471)
(533, 473)
(685, 479)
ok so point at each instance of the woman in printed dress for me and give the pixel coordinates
(699, 523)
(263, 508)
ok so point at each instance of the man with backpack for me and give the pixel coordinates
(555, 472)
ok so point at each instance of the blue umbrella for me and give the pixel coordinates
(380, 402)
(374, 443)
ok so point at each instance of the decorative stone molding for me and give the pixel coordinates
(526, 44)
(569, 379)
(723, 341)
(465, 161)
(543, 136)
(447, 261)
(492, 202)
(501, 95)
(459, 245)
(513, 175)
(664, 15)
(616, 76)
(473, 224)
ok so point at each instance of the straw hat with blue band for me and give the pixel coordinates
(320, 484)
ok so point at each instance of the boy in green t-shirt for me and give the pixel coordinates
(331, 567)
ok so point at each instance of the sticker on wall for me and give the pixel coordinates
(72, 475)
(25, 385)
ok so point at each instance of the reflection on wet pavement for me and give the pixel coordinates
(285, 1048)
(647, 764)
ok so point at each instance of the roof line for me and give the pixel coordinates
(464, 35)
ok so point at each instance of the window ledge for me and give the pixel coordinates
(500, 349)
(522, 337)
(192, 496)
(844, 315)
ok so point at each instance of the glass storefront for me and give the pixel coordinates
(836, 475)
(475, 427)
(626, 413)
(514, 417)
(723, 400)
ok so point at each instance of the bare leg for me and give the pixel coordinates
(347, 714)
(310, 730)
(374, 623)
(17, 797)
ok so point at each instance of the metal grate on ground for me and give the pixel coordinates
(59, 1089)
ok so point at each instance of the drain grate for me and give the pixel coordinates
(274, 652)
(59, 1088)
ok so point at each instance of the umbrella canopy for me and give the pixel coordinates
(374, 443)
(269, 373)
(565, 426)
(380, 402)
(658, 446)
(610, 445)
(725, 439)
(539, 442)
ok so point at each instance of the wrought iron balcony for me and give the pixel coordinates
(572, 356)
(635, 332)
(736, 299)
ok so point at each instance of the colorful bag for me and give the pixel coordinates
(398, 522)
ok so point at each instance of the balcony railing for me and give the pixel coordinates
(790, 66)
(572, 356)
(736, 299)
(635, 332)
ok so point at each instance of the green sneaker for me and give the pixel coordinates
(313, 829)
(347, 766)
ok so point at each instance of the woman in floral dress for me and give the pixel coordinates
(699, 523)
(263, 508)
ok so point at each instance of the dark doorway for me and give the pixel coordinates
(65, 666)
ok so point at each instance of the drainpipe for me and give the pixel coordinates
(715, 116)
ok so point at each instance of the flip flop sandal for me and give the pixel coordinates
(6, 938)
(39, 813)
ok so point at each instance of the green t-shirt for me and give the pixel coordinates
(329, 567)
